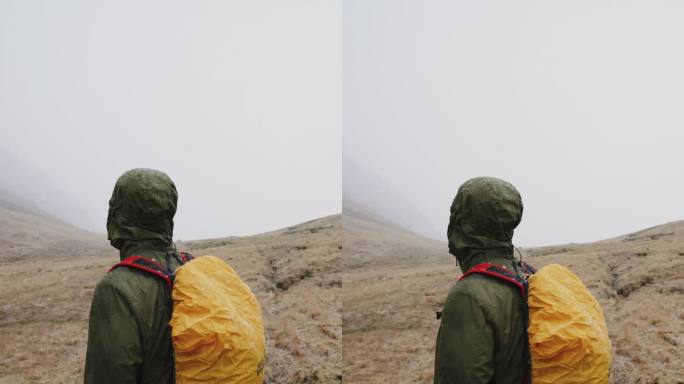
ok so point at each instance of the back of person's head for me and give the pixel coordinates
(142, 208)
(484, 214)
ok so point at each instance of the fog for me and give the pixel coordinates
(578, 104)
(238, 102)
(368, 197)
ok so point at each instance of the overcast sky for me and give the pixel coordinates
(238, 101)
(580, 104)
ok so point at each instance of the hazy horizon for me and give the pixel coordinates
(577, 104)
(239, 103)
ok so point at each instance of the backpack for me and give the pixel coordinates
(567, 337)
(216, 325)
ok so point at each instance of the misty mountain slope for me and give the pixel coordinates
(638, 279)
(26, 188)
(12, 202)
(393, 283)
(373, 243)
(371, 191)
(28, 236)
(293, 272)
(357, 210)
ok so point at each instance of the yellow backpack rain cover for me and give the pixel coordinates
(567, 331)
(216, 326)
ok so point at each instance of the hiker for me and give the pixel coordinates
(482, 336)
(129, 339)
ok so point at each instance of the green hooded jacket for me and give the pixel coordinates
(482, 336)
(129, 339)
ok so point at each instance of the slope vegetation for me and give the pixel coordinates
(396, 281)
(26, 235)
(371, 190)
(26, 188)
(46, 296)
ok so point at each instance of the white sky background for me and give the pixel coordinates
(580, 104)
(238, 101)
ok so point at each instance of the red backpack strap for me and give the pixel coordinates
(500, 272)
(503, 273)
(185, 257)
(146, 265)
(527, 269)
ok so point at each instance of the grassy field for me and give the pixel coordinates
(381, 298)
(47, 288)
(395, 281)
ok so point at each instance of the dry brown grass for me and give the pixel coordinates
(25, 236)
(382, 303)
(389, 302)
(45, 299)
(295, 274)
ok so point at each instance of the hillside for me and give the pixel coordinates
(389, 303)
(293, 272)
(26, 188)
(372, 244)
(29, 235)
(363, 188)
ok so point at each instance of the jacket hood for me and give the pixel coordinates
(141, 210)
(484, 214)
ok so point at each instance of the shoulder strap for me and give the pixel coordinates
(503, 273)
(147, 265)
(500, 272)
(526, 269)
(185, 257)
(153, 267)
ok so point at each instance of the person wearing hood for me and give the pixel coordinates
(482, 335)
(129, 340)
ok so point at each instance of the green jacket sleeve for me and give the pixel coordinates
(114, 354)
(465, 343)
